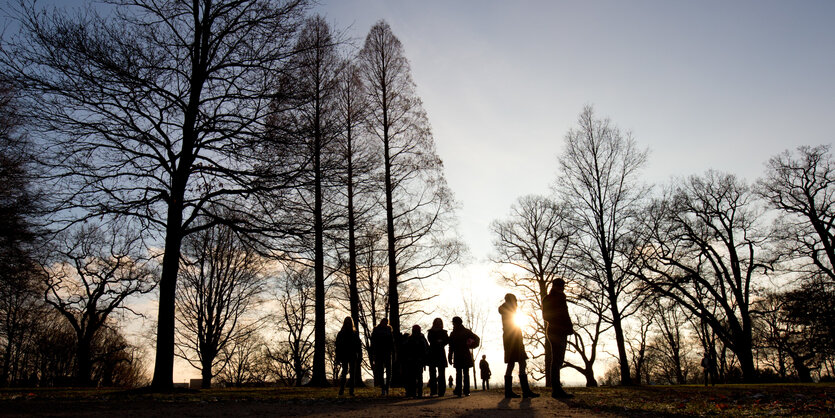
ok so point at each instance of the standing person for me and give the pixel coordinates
(450, 381)
(382, 347)
(485, 372)
(707, 365)
(438, 339)
(514, 349)
(558, 328)
(348, 349)
(460, 340)
(417, 350)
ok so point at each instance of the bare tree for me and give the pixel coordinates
(96, 267)
(418, 203)
(312, 84)
(534, 242)
(155, 111)
(702, 249)
(294, 353)
(670, 342)
(589, 326)
(220, 281)
(598, 178)
(802, 185)
(475, 316)
(247, 363)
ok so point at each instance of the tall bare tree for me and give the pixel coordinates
(703, 247)
(155, 111)
(94, 270)
(418, 203)
(220, 282)
(599, 179)
(534, 242)
(293, 355)
(802, 185)
(310, 89)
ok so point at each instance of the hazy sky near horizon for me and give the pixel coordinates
(704, 85)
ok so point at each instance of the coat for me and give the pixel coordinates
(347, 345)
(382, 343)
(417, 350)
(438, 339)
(555, 313)
(459, 353)
(514, 349)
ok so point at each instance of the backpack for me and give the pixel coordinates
(473, 341)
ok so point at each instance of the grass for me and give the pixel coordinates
(722, 400)
(691, 400)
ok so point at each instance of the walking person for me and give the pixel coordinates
(438, 339)
(514, 349)
(382, 348)
(558, 328)
(484, 367)
(417, 351)
(348, 350)
(460, 341)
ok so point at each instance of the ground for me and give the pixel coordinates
(682, 401)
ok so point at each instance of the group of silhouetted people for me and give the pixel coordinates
(416, 352)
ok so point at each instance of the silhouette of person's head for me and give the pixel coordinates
(384, 322)
(438, 323)
(558, 286)
(484, 357)
(348, 324)
(510, 299)
(457, 321)
(415, 329)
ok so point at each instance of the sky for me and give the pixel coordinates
(703, 85)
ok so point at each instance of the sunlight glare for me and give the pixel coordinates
(520, 319)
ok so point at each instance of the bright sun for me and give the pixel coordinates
(520, 319)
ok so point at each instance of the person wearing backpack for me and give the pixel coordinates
(558, 328)
(514, 349)
(461, 341)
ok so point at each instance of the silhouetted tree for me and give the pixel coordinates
(312, 80)
(417, 201)
(802, 185)
(799, 326)
(94, 269)
(221, 279)
(534, 241)
(598, 179)
(294, 353)
(20, 296)
(157, 112)
(588, 328)
(701, 248)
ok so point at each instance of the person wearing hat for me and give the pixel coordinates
(514, 349)
(558, 328)
(460, 355)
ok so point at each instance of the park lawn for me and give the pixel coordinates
(697, 400)
(690, 400)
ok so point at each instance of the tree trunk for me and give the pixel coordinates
(625, 377)
(164, 361)
(591, 382)
(319, 377)
(84, 363)
(206, 373)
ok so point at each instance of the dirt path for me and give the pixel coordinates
(480, 404)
